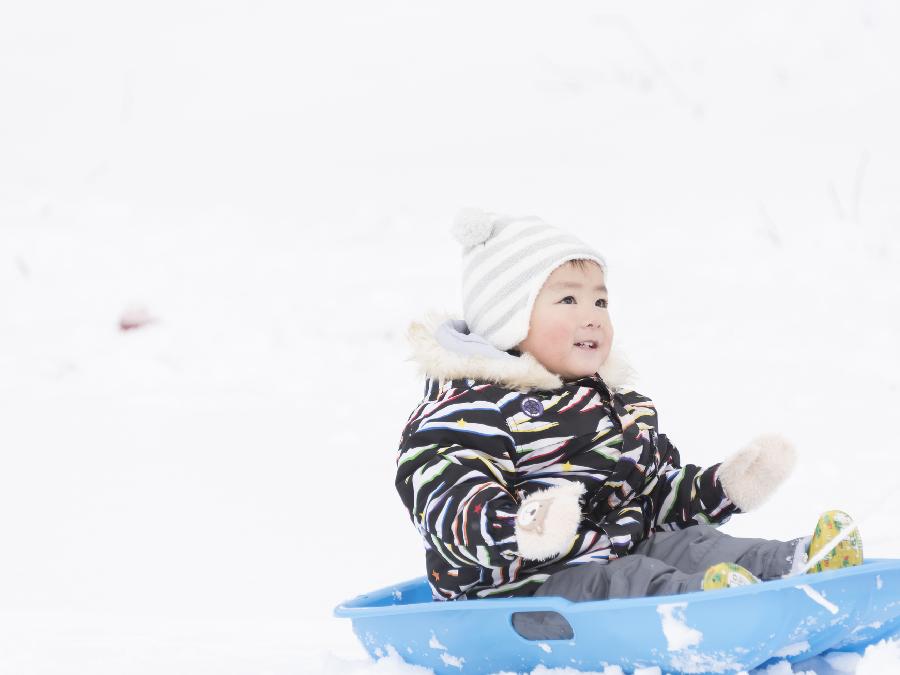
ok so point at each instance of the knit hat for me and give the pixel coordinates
(506, 261)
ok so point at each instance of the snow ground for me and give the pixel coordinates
(274, 181)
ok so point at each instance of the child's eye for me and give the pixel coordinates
(602, 303)
(568, 300)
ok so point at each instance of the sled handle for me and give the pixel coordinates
(541, 625)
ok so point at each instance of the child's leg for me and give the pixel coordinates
(633, 576)
(695, 549)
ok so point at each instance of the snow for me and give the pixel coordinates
(880, 658)
(780, 668)
(818, 598)
(447, 658)
(793, 649)
(843, 662)
(608, 670)
(390, 664)
(265, 191)
(678, 634)
(454, 661)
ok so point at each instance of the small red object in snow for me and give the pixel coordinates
(135, 317)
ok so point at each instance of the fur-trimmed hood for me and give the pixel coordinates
(444, 349)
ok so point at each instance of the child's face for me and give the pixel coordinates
(570, 332)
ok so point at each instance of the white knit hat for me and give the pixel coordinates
(506, 261)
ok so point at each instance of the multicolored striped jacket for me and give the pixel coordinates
(494, 427)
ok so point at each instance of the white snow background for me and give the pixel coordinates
(273, 182)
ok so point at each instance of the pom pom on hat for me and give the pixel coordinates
(473, 226)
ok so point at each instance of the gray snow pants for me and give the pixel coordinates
(664, 564)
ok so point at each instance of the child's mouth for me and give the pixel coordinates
(586, 344)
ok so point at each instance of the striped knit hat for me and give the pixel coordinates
(506, 261)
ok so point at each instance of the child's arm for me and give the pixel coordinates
(455, 475)
(684, 496)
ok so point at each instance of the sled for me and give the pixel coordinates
(720, 631)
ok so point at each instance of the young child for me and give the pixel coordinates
(531, 467)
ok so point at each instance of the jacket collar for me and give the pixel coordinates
(444, 349)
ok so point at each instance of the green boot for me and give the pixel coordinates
(846, 554)
(726, 575)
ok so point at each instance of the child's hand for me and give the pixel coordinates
(751, 475)
(547, 521)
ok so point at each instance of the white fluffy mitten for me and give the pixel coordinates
(751, 475)
(547, 521)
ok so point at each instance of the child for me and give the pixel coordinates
(531, 467)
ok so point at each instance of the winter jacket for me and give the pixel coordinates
(493, 427)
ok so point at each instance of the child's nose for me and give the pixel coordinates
(592, 319)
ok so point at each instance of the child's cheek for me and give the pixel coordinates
(559, 336)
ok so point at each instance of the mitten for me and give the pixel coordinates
(547, 521)
(751, 475)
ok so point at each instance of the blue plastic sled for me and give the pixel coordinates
(712, 632)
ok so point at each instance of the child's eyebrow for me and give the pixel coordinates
(559, 285)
